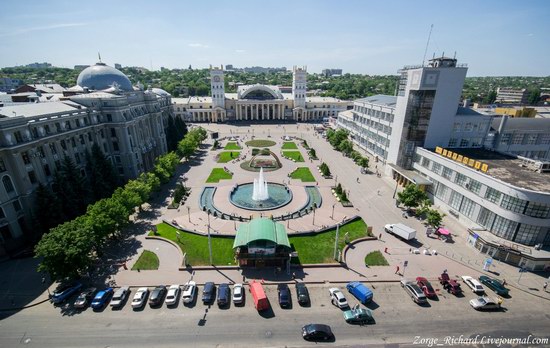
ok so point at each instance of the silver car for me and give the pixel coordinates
(172, 295)
(140, 297)
(238, 293)
(189, 291)
(485, 303)
(417, 295)
(120, 296)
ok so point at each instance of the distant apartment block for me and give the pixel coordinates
(7, 84)
(511, 96)
(331, 72)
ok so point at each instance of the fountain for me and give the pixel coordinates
(260, 191)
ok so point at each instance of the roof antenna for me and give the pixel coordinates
(99, 56)
(427, 43)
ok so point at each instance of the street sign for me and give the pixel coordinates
(522, 269)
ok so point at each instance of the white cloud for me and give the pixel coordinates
(197, 45)
(46, 27)
(240, 51)
(530, 34)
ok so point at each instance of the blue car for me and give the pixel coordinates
(64, 291)
(101, 298)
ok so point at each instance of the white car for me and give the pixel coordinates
(337, 298)
(140, 297)
(172, 295)
(120, 296)
(189, 291)
(238, 293)
(485, 303)
(473, 284)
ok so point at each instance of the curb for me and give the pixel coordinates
(24, 307)
(168, 241)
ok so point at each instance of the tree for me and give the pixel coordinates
(363, 162)
(48, 209)
(312, 153)
(346, 147)
(103, 177)
(533, 96)
(424, 207)
(434, 218)
(66, 250)
(187, 147)
(71, 189)
(411, 196)
(106, 217)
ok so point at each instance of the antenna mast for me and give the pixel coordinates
(427, 43)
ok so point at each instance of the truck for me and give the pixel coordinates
(401, 230)
(258, 295)
(360, 291)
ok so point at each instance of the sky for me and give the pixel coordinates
(495, 38)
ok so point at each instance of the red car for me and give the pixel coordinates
(426, 287)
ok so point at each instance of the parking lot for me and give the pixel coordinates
(398, 320)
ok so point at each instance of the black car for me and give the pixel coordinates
(284, 295)
(302, 294)
(224, 295)
(317, 332)
(157, 296)
(209, 293)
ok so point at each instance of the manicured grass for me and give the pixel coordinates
(228, 156)
(320, 248)
(289, 145)
(375, 258)
(304, 174)
(260, 143)
(295, 155)
(232, 146)
(148, 260)
(196, 246)
(218, 174)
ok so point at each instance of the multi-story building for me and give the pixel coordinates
(331, 72)
(127, 124)
(475, 175)
(8, 84)
(511, 96)
(258, 103)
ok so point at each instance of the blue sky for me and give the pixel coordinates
(370, 37)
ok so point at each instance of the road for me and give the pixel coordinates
(398, 321)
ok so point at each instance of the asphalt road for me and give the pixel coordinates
(398, 322)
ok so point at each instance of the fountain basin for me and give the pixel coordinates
(241, 197)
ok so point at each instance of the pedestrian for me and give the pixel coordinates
(545, 286)
(378, 192)
(504, 282)
(380, 236)
(396, 269)
(357, 179)
(386, 250)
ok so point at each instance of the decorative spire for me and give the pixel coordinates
(99, 56)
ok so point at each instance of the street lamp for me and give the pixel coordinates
(209, 241)
(189, 213)
(314, 209)
(336, 240)
(335, 180)
(332, 216)
(47, 286)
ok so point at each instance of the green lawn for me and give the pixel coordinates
(148, 260)
(375, 258)
(218, 174)
(320, 248)
(228, 156)
(260, 143)
(232, 146)
(304, 174)
(289, 145)
(295, 155)
(196, 246)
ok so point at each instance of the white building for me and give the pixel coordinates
(258, 103)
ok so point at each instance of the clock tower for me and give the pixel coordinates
(217, 87)
(299, 86)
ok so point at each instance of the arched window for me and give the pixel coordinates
(8, 185)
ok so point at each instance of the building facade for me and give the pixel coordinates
(127, 124)
(258, 103)
(511, 96)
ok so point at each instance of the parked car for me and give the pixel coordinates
(417, 295)
(140, 297)
(337, 298)
(238, 294)
(208, 293)
(317, 332)
(101, 298)
(157, 296)
(426, 287)
(172, 295)
(485, 303)
(495, 285)
(224, 295)
(473, 284)
(451, 285)
(358, 315)
(302, 294)
(120, 297)
(64, 291)
(360, 291)
(189, 291)
(84, 299)
(283, 295)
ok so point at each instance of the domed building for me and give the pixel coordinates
(100, 76)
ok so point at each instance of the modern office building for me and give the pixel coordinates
(8, 84)
(105, 109)
(470, 163)
(258, 103)
(511, 96)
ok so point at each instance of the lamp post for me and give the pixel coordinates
(336, 240)
(332, 215)
(314, 209)
(189, 213)
(209, 241)
(47, 286)
(335, 180)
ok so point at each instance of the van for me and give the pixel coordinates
(258, 295)
(360, 291)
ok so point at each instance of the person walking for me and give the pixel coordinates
(544, 286)
(396, 270)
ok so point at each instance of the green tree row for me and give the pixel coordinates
(413, 197)
(339, 141)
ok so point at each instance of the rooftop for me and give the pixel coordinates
(508, 169)
(523, 124)
(261, 229)
(38, 109)
(380, 99)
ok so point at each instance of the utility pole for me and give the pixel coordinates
(332, 216)
(209, 241)
(189, 213)
(314, 209)
(336, 240)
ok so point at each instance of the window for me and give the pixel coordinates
(47, 170)
(77, 158)
(63, 144)
(82, 141)
(441, 191)
(492, 195)
(447, 173)
(468, 127)
(2, 165)
(113, 132)
(41, 152)
(34, 132)
(527, 234)
(464, 143)
(456, 127)
(467, 207)
(73, 142)
(17, 205)
(538, 210)
(455, 200)
(53, 148)
(8, 185)
(2, 215)
(453, 142)
(505, 139)
(513, 204)
(461, 179)
(517, 139)
(474, 186)
(545, 140)
(58, 127)
(486, 218)
(436, 168)
(18, 137)
(32, 177)
(109, 118)
(115, 146)
(25, 157)
(425, 162)
(504, 228)
(532, 139)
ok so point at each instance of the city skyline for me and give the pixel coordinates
(367, 38)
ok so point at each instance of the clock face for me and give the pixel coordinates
(216, 79)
